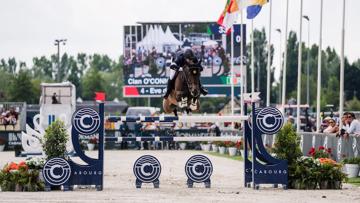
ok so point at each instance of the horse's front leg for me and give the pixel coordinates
(194, 104)
(182, 101)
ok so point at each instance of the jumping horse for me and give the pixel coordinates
(186, 93)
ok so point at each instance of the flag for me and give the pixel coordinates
(229, 15)
(100, 96)
(254, 9)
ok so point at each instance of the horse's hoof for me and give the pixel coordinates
(181, 105)
(193, 107)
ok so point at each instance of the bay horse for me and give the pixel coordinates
(186, 93)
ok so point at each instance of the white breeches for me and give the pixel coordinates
(172, 73)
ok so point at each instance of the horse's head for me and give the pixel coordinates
(192, 72)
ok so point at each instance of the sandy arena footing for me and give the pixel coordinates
(227, 184)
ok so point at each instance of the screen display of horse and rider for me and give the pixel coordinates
(151, 48)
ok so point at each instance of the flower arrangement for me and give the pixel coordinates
(308, 173)
(35, 163)
(229, 144)
(239, 145)
(220, 144)
(322, 152)
(93, 140)
(18, 177)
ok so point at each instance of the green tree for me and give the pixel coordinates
(21, 89)
(5, 79)
(260, 62)
(353, 105)
(101, 62)
(42, 68)
(92, 82)
(74, 75)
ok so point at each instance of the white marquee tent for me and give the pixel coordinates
(156, 37)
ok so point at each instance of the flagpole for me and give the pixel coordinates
(341, 105)
(232, 69)
(252, 59)
(241, 66)
(299, 72)
(285, 60)
(269, 58)
(318, 91)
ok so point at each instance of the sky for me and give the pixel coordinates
(29, 27)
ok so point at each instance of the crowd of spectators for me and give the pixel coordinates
(350, 125)
(8, 117)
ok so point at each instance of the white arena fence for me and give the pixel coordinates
(340, 147)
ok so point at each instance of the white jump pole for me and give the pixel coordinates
(191, 139)
(188, 119)
(212, 118)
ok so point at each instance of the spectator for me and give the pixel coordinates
(353, 125)
(11, 117)
(325, 124)
(124, 130)
(332, 128)
(214, 130)
(344, 124)
(54, 99)
(291, 121)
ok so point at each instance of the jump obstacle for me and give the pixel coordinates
(261, 169)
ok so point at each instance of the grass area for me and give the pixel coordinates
(237, 158)
(354, 181)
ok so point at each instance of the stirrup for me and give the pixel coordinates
(203, 91)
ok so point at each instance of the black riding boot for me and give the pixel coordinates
(203, 90)
(170, 86)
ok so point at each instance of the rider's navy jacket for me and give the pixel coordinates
(180, 61)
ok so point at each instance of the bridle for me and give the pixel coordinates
(185, 75)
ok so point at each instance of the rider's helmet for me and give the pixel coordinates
(189, 54)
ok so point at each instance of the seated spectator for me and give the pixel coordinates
(332, 128)
(11, 117)
(54, 99)
(2, 117)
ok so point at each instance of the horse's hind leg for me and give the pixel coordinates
(188, 110)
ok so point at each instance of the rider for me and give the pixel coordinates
(182, 59)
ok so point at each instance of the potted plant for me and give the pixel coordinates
(92, 142)
(240, 146)
(182, 145)
(352, 167)
(231, 148)
(205, 146)
(222, 148)
(287, 147)
(55, 138)
(215, 146)
(2, 144)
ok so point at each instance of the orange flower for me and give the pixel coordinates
(23, 165)
(13, 166)
(327, 161)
